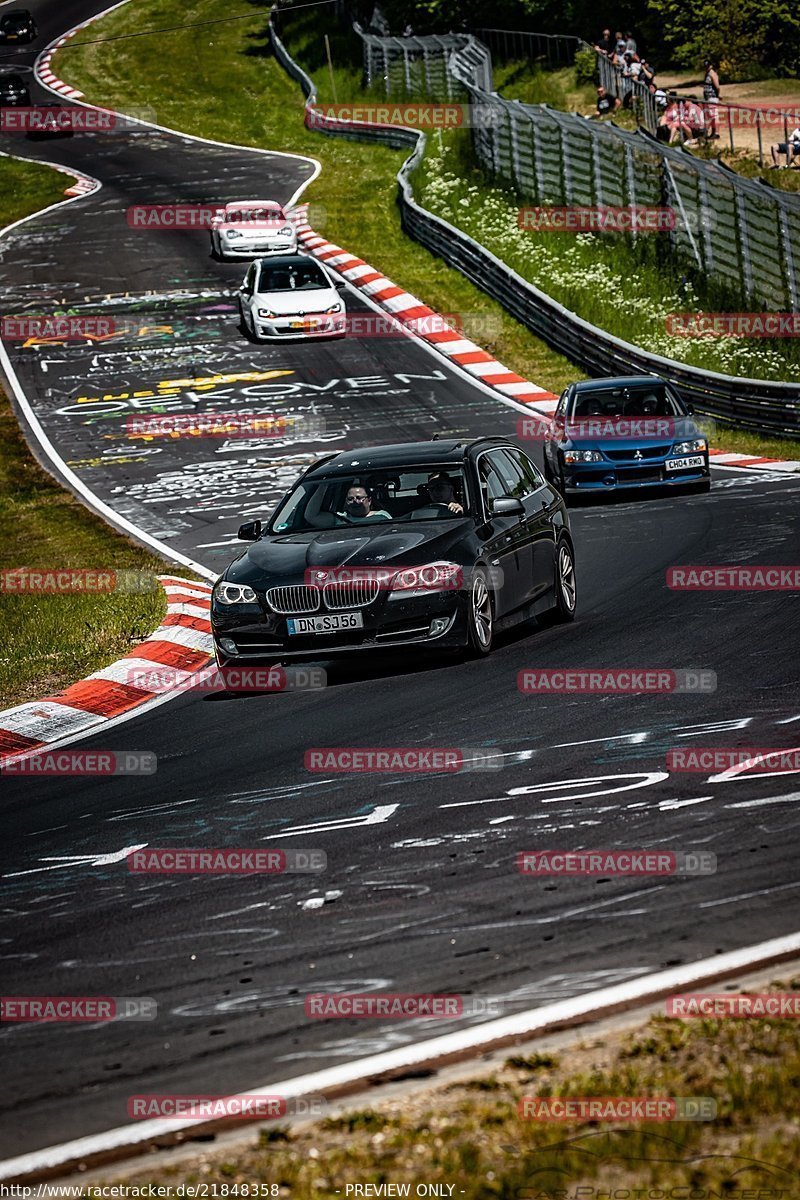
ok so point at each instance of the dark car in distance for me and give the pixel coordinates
(17, 27)
(426, 544)
(13, 91)
(625, 433)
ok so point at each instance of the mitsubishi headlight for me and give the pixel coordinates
(287, 231)
(231, 233)
(234, 593)
(581, 456)
(698, 445)
(337, 307)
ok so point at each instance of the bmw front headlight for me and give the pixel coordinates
(696, 446)
(231, 233)
(287, 231)
(581, 456)
(234, 593)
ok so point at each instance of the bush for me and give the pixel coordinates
(586, 66)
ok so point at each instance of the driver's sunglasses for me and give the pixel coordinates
(356, 499)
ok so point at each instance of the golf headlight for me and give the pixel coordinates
(699, 445)
(581, 456)
(234, 593)
(266, 312)
(231, 233)
(286, 231)
(337, 307)
(432, 577)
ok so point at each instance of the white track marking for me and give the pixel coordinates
(480, 1038)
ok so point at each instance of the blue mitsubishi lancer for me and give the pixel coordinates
(622, 433)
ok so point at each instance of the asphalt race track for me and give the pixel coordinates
(421, 892)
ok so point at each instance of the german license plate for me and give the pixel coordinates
(331, 623)
(680, 464)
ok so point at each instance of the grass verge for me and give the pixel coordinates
(468, 1136)
(50, 641)
(223, 82)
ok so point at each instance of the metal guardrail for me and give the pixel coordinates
(550, 49)
(747, 403)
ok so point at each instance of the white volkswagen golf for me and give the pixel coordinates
(246, 228)
(291, 296)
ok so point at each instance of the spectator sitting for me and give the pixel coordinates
(693, 117)
(671, 126)
(791, 149)
(605, 104)
(605, 45)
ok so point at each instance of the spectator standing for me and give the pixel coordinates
(711, 97)
(630, 44)
(605, 45)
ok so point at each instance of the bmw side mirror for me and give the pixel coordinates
(507, 506)
(249, 532)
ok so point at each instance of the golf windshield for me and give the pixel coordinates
(303, 277)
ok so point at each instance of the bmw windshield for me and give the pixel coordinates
(426, 493)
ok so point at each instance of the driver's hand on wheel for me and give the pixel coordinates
(455, 508)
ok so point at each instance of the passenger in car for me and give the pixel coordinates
(358, 506)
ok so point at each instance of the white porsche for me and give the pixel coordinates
(247, 228)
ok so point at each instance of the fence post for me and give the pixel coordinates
(708, 247)
(597, 172)
(630, 171)
(744, 240)
(788, 254)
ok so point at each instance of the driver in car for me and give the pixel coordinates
(441, 491)
(358, 506)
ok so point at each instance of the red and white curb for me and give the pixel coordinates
(44, 72)
(182, 643)
(84, 184)
(411, 311)
(729, 459)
